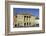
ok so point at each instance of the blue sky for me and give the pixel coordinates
(33, 11)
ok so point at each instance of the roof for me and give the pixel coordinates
(26, 14)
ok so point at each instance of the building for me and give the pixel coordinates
(24, 20)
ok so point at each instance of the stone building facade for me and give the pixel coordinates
(24, 20)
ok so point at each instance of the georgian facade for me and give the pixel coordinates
(24, 20)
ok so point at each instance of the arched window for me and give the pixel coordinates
(16, 16)
(15, 25)
(27, 23)
(24, 24)
(30, 24)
